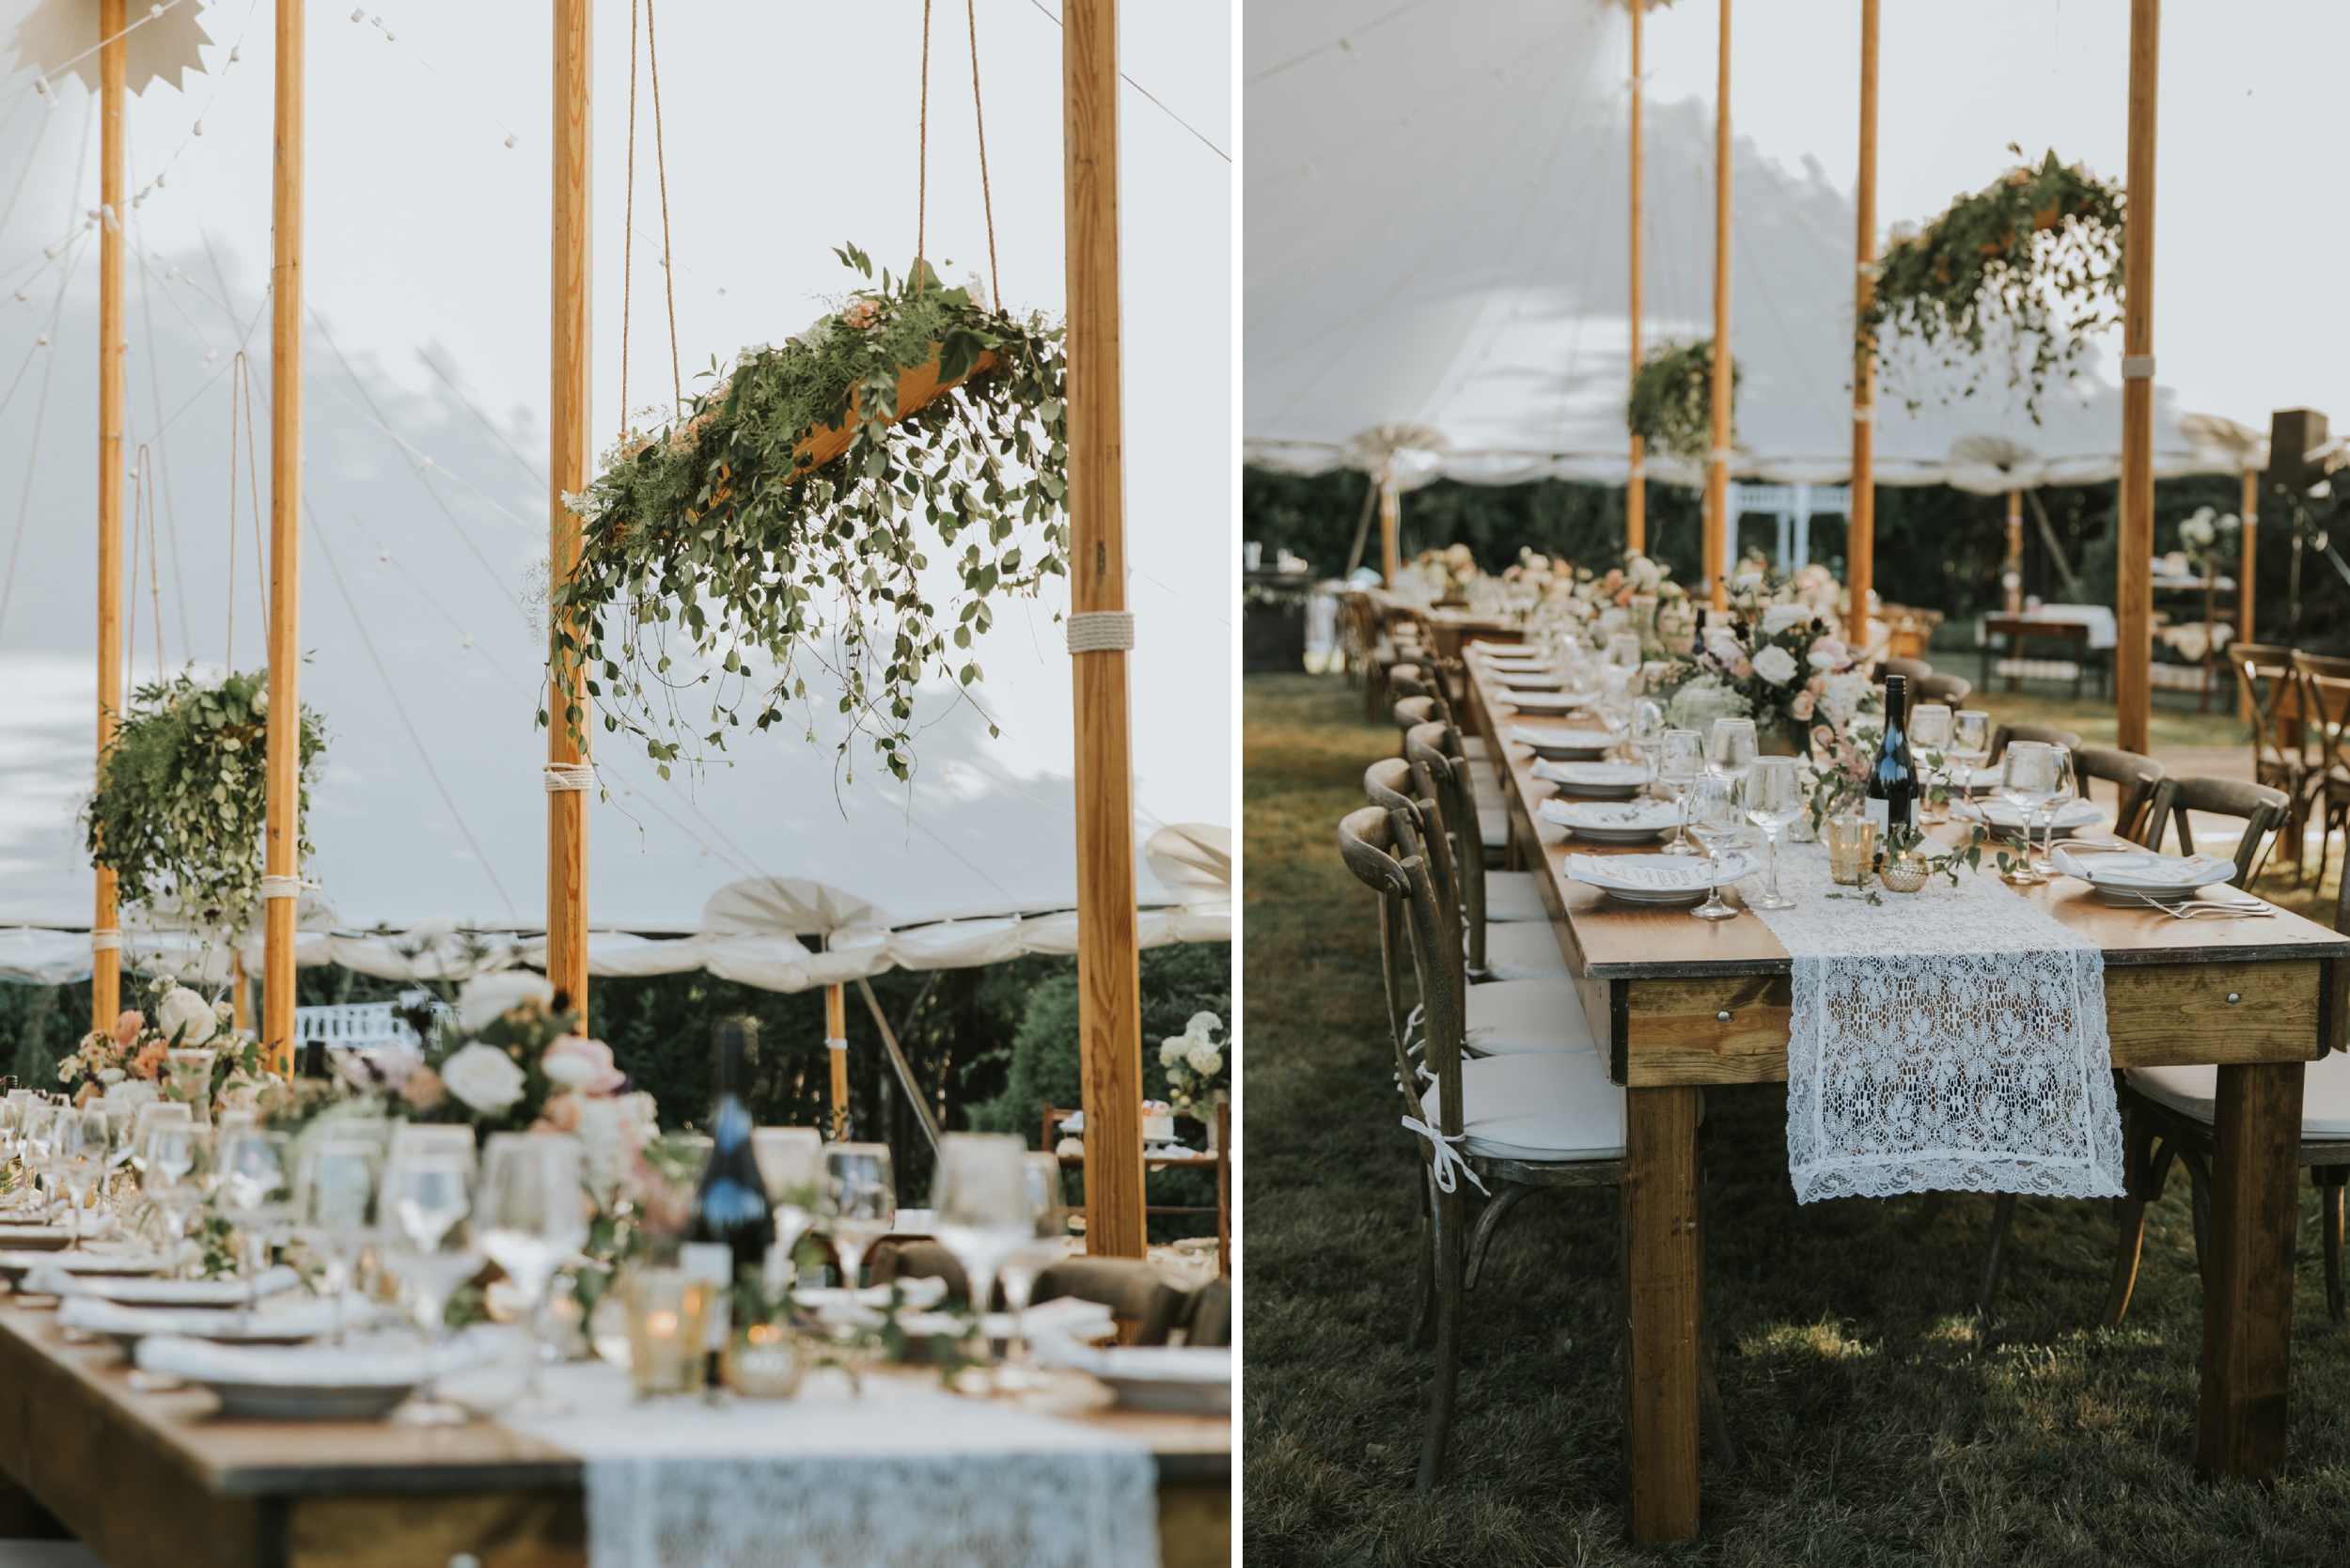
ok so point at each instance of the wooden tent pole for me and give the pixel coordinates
(1635, 477)
(1109, 1021)
(1390, 526)
(836, 1047)
(2249, 560)
(1860, 551)
(567, 471)
(2011, 574)
(113, 60)
(2134, 606)
(280, 864)
(1717, 461)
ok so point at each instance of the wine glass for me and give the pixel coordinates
(1731, 750)
(791, 1165)
(980, 1206)
(40, 1121)
(427, 1248)
(255, 1185)
(1715, 819)
(154, 1114)
(1930, 734)
(2062, 789)
(531, 1215)
(2028, 775)
(334, 1208)
(1680, 763)
(858, 1202)
(171, 1154)
(1774, 799)
(1970, 744)
(1648, 732)
(1046, 1246)
(78, 1153)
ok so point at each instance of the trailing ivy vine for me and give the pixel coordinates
(183, 797)
(717, 544)
(1672, 399)
(2037, 253)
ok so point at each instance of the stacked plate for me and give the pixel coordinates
(1629, 821)
(357, 1383)
(136, 1290)
(273, 1323)
(1594, 781)
(1562, 745)
(2133, 876)
(2070, 817)
(1667, 879)
(1543, 702)
(14, 1267)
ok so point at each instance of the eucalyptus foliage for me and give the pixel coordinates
(2038, 252)
(182, 795)
(1672, 399)
(716, 543)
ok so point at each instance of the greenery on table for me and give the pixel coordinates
(1671, 407)
(2036, 254)
(713, 542)
(181, 798)
(1879, 1421)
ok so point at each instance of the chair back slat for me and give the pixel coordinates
(1366, 843)
(2261, 810)
(2134, 777)
(1395, 785)
(2325, 707)
(1436, 748)
(1382, 866)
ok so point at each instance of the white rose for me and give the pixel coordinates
(1202, 1026)
(184, 1017)
(69, 1068)
(1642, 572)
(1172, 1050)
(111, 1076)
(481, 1000)
(483, 1078)
(1206, 1060)
(1775, 664)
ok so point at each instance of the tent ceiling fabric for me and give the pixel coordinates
(58, 37)
(1435, 235)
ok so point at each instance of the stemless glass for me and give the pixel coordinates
(1774, 798)
(1730, 752)
(791, 1167)
(335, 1207)
(1928, 736)
(980, 1206)
(530, 1214)
(256, 1181)
(858, 1202)
(2028, 777)
(1680, 763)
(1715, 818)
(425, 1248)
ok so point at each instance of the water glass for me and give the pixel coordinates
(426, 1246)
(78, 1155)
(1971, 743)
(1773, 791)
(255, 1183)
(530, 1216)
(1851, 839)
(791, 1167)
(980, 1205)
(2062, 793)
(1648, 732)
(1048, 1210)
(857, 1202)
(335, 1186)
(1680, 763)
(2027, 778)
(1715, 819)
(1731, 750)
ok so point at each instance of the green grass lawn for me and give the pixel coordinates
(1878, 1420)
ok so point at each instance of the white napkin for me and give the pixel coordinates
(303, 1317)
(1656, 873)
(1580, 740)
(1625, 816)
(2145, 869)
(353, 1366)
(172, 1292)
(1591, 776)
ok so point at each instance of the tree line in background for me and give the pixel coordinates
(991, 1046)
(1936, 547)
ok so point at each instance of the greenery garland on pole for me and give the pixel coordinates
(182, 794)
(789, 514)
(1671, 407)
(2038, 249)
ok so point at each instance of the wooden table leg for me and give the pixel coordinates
(2248, 1282)
(1662, 1243)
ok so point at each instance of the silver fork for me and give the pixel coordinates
(2189, 909)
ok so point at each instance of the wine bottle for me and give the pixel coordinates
(1892, 783)
(732, 1228)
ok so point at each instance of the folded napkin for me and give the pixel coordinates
(1591, 776)
(1658, 874)
(1579, 739)
(1623, 816)
(1206, 1364)
(2145, 869)
(400, 1364)
(140, 1291)
(303, 1318)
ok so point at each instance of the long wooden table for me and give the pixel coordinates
(1677, 1004)
(156, 1480)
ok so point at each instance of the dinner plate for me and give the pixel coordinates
(1665, 880)
(1191, 1380)
(134, 1290)
(1564, 743)
(1543, 702)
(33, 1238)
(276, 1383)
(273, 1324)
(2143, 873)
(15, 1265)
(1594, 781)
(2071, 817)
(1611, 822)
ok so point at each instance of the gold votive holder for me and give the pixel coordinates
(762, 1361)
(667, 1312)
(1851, 839)
(1905, 873)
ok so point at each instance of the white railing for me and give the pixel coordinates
(355, 1025)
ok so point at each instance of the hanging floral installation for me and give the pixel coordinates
(182, 795)
(1671, 407)
(2036, 255)
(790, 512)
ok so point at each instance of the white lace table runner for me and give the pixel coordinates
(1954, 1038)
(905, 1476)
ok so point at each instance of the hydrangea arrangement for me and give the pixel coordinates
(1194, 1061)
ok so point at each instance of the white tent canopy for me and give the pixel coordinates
(1436, 214)
(426, 506)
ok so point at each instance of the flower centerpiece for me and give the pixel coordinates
(1776, 656)
(789, 513)
(1639, 596)
(128, 1061)
(1194, 1063)
(1435, 577)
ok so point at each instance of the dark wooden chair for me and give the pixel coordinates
(2324, 709)
(2263, 812)
(1219, 1160)
(1505, 1124)
(2272, 689)
(2168, 1114)
(2047, 733)
(2134, 779)
(1481, 796)
(1522, 946)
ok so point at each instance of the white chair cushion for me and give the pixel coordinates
(1512, 896)
(1487, 782)
(1550, 1106)
(2195, 1092)
(1514, 1017)
(1473, 748)
(1526, 950)
(1492, 826)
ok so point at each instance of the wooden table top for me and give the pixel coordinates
(1619, 941)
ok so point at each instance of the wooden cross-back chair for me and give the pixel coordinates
(2134, 777)
(2325, 708)
(2271, 683)
(1505, 1124)
(1509, 926)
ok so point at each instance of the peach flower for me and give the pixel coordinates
(423, 1088)
(561, 1115)
(128, 1023)
(576, 1062)
(149, 1063)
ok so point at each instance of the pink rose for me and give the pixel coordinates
(1741, 668)
(1802, 706)
(576, 1062)
(128, 1023)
